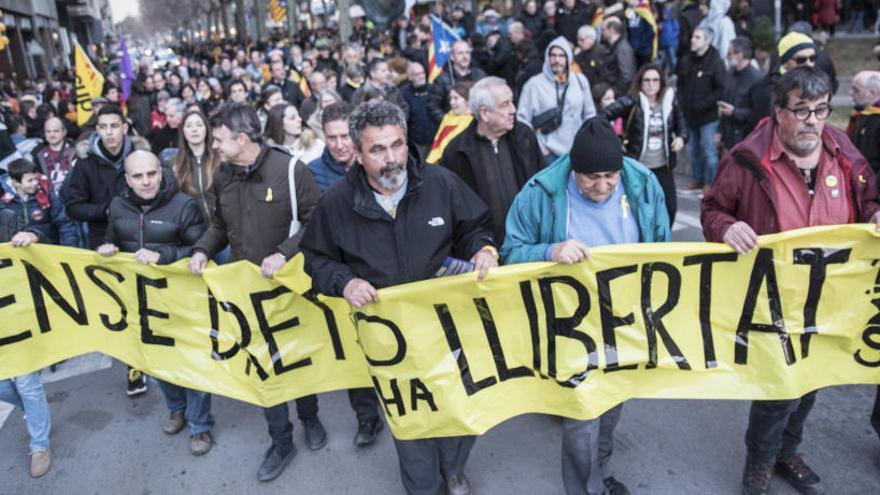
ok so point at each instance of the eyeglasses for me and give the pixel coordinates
(652, 80)
(804, 59)
(803, 113)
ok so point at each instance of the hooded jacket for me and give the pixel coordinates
(92, 185)
(41, 212)
(169, 225)
(723, 29)
(742, 190)
(541, 92)
(352, 236)
(538, 217)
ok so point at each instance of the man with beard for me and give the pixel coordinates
(370, 231)
(254, 214)
(792, 172)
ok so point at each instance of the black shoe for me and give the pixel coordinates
(274, 463)
(137, 383)
(367, 431)
(316, 436)
(795, 471)
(756, 477)
(614, 487)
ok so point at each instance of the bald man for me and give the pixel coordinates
(57, 155)
(160, 224)
(864, 125)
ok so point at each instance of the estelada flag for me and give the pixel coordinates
(452, 125)
(442, 39)
(644, 11)
(89, 83)
(278, 10)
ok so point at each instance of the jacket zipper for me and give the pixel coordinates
(202, 189)
(141, 230)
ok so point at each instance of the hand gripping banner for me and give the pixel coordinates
(455, 356)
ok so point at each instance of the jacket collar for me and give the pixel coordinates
(554, 179)
(364, 202)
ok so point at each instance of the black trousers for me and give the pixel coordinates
(666, 177)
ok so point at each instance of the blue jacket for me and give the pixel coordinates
(326, 170)
(41, 212)
(538, 216)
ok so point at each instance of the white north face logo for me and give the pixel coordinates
(436, 222)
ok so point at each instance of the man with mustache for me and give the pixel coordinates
(792, 171)
(390, 221)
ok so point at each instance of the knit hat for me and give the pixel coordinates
(792, 43)
(596, 148)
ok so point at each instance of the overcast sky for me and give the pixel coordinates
(124, 8)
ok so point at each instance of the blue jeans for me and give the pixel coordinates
(26, 392)
(704, 155)
(195, 404)
(668, 59)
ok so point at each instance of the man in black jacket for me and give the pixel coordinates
(734, 108)
(496, 155)
(864, 127)
(462, 70)
(254, 214)
(570, 16)
(289, 89)
(621, 60)
(701, 76)
(159, 224)
(370, 231)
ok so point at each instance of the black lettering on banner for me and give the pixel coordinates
(457, 350)
(504, 373)
(330, 318)
(654, 317)
(871, 338)
(398, 336)
(706, 261)
(419, 391)
(122, 324)
(609, 321)
(9, 301)
(39, 283)
(525, 288)
(565, 326)
(268, 331)
(245, 329)
(763, 270)
(818, 259)
(145, 311)
(396, 399)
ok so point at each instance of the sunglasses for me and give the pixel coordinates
(803, 60)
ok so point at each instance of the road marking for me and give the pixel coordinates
(80, 365)
(684, 220)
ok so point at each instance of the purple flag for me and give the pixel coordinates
(127, 75)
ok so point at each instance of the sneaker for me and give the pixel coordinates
(316, 436)
(367, 431)
(274, 463)
(458, 485)
(137, 383)
(201, 443)
(756, 477)
(614, 487)
(175, 423)
(795, 471)
(693, 185)
(41, 461)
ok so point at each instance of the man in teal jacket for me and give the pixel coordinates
(591, 197)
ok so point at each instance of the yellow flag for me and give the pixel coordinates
(89, 83)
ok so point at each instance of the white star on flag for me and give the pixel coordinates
(444, 46)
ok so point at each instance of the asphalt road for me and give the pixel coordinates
(104, 442)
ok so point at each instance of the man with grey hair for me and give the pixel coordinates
(369, 231)
(591, 56)
(736, 114)
(496, 154)
(864, 125)
(793, 171)
(254, 214)
(516, 32)
(166, 137)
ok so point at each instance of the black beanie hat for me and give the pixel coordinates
(596, 148)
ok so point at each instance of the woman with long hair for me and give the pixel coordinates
(285, 128)
(654, 129)
(269, 97)
(456, 120)
(196, 161)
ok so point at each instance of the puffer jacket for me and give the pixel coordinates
(169, 225)
(41, 212)
(702, 79)
(636, 112)
(540, 94)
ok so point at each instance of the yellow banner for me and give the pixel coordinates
(455, 356)
(89, 84)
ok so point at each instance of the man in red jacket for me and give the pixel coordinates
(791, 172)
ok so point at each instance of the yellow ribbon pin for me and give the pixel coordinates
(862, 179)
(269, 195)
(624, 206)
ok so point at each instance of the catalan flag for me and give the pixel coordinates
(452, 125)
(442, 39)
(644, 11)
(278, 10)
